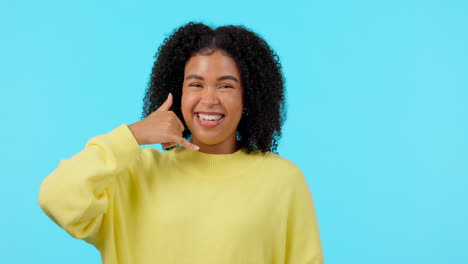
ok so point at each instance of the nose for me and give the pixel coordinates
(209, 97)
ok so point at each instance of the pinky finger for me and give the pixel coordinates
(187, 144)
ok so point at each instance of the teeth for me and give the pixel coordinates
(209, 117)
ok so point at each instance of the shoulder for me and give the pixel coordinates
(280, 162)
(282, 167)
(149, 160)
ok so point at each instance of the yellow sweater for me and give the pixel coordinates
(182, 206)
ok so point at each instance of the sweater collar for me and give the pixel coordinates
(214, 166)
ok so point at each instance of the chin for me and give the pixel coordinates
(207, 139)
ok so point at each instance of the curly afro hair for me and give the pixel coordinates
(261, 73)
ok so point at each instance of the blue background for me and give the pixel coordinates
(377, 96)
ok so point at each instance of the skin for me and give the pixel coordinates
(205, 89)
(161, 127)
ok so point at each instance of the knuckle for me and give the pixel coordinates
(174, 115)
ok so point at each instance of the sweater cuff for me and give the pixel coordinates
(121, 143)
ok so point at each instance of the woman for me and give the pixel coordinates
(220, 194)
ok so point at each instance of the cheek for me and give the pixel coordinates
(235, 105)
(185, 107)
(186, 103)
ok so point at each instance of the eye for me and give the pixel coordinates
(226, 86)
(195, 85)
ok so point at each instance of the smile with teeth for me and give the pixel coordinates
(209, 118)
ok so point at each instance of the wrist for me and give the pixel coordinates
(135, 131)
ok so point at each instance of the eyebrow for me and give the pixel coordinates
(226, 77)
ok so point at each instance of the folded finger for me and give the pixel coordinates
(168, 145)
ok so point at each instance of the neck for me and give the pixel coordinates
(225, 147)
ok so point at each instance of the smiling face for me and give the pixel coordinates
(212, 104)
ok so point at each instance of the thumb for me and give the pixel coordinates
(167, 104)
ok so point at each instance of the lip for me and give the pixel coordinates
(208, 113)
(208, 124)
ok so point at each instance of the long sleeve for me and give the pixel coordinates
(76, 194)
(303, 245)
